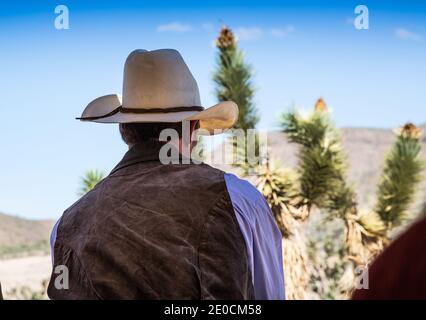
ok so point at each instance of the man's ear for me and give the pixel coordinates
(195, 124)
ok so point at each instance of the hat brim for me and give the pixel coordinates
(221, 116)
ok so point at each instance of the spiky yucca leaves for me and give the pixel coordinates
(368, 233)
(400, 177)
(89, 181)
(322, 168)
(233, 79)
(321, 162)
(321, 174)
(279, 188)
(322, 177)
(364, 238)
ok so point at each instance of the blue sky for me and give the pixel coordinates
(370, 78)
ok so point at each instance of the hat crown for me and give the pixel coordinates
(158, 87)
(158, 79)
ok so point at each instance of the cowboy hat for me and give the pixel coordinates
(158, 87)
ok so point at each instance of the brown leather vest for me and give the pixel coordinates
(153, 231)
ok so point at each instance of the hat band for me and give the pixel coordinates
(144, 111)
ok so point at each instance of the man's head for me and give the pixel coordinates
(135, 133)
(158, 87)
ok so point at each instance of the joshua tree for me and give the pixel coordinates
(400, 177)
(320, 171)
(322, 177)
(89, 181)
(233, 79)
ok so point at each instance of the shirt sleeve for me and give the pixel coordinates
(53, 239)
(262, 237)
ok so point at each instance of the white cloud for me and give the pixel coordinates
(255, 33)
(407, 35)
(247, 34)
(282, 32)
(174, 27)
(208, 26)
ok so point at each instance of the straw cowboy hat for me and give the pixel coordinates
(158, 87)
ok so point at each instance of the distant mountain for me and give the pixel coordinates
(20, 236)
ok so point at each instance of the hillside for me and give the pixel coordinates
(20, 236)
